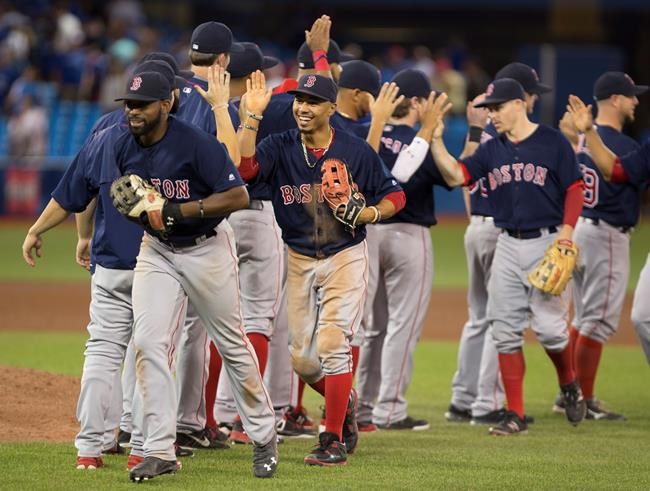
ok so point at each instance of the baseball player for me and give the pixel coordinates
(537, 188)
(359, 83)
(603, 234)
(186, 254)
(632, 168)
(327, 260)
(407, 280)
(477, 389)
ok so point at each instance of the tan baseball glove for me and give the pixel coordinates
(341, 193)
(556, 267)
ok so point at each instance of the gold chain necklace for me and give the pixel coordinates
(304, 149)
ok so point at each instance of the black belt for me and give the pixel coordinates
(620, 228)
(532, 233)
(189, 241)
(256, 204)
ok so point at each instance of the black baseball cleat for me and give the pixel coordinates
(495, 417)
(558, 404)
(575, 407)
(151, 467)
(511, 425)
(596, 411)
(457, 415)
(350, 427)
(124, 439)
(407, 423)
(265, 458)
(202, 439)
(183, 451)
(329, 452)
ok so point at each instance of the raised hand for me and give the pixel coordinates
(318, 37)
(441, 106)
(568, 128)
(477, 116)
(387, 100)
(583, 118)
(257, 95)
(218, 93)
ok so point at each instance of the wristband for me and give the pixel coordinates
(201, 208)
(248, 127)
(377, 216)
(320, 60)
(475, 133)
(256, 117)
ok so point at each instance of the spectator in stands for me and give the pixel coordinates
(28, 129)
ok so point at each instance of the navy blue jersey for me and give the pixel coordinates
(194, 110)
(479, 202)
(278, 116)
(116, 241)
(527, 181)
(353, 126)
(615, 203)
(116, 116)
(637, 165)
(186, 165)
(420, 206)
(307, 223)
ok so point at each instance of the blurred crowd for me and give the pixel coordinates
(53, 51)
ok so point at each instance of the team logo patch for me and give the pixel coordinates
(136, 84)
(231, 177)
(489, 90)
(311, 80)
(187, 90)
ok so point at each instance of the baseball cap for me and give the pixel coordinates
(359, 74)
(502, 90)
(147, 86)
(214, 37)
(616, 83)
(251, 59)
(334, 55)
(412, 83)
(163, 68)
(171, 61)
(317, 86)
(525, 75)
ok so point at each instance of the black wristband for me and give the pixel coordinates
(171, 214)
(475, 133)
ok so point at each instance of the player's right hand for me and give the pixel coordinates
(384, 106)
(318, 37)
(218, 93)
(441, 106)
(257, 95)
(581, 114)
(477, 116)
(568, 128)
(82, 253)
(32, 241)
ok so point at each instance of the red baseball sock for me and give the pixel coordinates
(319, 386)
(337, 393)
(563, 362)
(301, 391)
(587, 358)
(355, 359)
(214, 369)
(261, 346)
(513, 368)
(573, 339)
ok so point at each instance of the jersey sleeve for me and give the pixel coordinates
(567, 163)
(477, 163)
(215, 167)
(79, 184)
(637, 165)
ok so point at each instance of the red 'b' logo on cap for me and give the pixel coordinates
(311, 80)
(489, 90)
(136, 84)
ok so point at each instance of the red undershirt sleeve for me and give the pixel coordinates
(468, 178)
(248, 168)
(573, 200)
(618, 172)
(398, 198)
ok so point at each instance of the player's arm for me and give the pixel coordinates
(85, 221)
(53, 215)
(477, 118)
(218, 95)
(381, 111)
(386, 208)
(318, 40)
(257, 99)
(217, 204)
(452, 172)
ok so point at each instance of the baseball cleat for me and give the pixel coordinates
(290, 427)
(151, 467)
(182, 451)
(203, 440)
(350, 428)
(265, 458)
(133, 460)
(407, 423)
(366, 427)
(238, 434)
(575, 407)
(329, 452)
(115, 449)
(457, 415)
(495, 417)
(596, 411)
(511, 425)
(124, 439)
(89, 463)
(558, 404)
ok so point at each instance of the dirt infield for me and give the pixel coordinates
(64, 307)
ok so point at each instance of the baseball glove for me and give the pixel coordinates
(341, 193)
(139, 201)
(554, 271)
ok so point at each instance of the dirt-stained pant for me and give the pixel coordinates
(325, 300)
(207, 275)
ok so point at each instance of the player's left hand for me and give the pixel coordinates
(556, 267)
(387, 100)
(218, 93)
(257, 95)
(318, 37)
(341, 193)
(82, 253)
(441, 106)
(32, 242)
(582, 116)
(568, 128)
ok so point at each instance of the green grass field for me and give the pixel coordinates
(554, 455)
